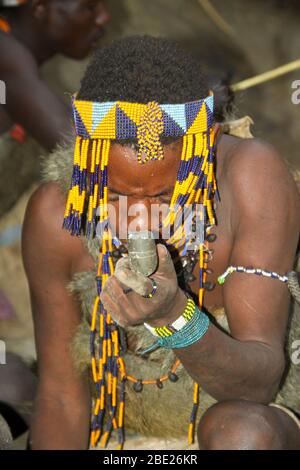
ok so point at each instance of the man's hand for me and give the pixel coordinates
(128, 309)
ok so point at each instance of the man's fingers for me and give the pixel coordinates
(123, 263)
(110, 307)
(118, 304)
(135, 281)
(115, 290)
(165, 263)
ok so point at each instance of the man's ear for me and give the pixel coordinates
(39, 8)
(217, 130)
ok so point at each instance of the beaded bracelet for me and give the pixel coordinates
(192, 332)
(189, 328)
(250, 270)
(177, 325)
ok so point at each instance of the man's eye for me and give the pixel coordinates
(112, 197)
(165, 198)
(92, 4)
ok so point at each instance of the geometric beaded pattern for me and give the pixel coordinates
(120, 120)
(169, 330)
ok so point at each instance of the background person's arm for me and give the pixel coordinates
(61, 415)
(29, 100)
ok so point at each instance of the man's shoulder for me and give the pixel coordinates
(15, 55)
(259, 183)
(245, 154)
(43, 222)
(254, 164)
(47, 200)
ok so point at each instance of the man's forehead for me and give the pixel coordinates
(126, 174)
(125, 158)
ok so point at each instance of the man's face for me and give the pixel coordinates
(75, 26)
(138, 192)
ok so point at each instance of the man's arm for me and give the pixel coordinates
(264, 221)
(265, 225)
(61, 415)
(29, 101)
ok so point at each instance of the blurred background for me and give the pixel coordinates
(234, 40)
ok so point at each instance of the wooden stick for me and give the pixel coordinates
(216, 18)
(266, 76)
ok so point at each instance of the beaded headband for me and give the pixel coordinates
(97, 125)
(121, 120)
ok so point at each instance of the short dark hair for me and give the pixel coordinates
(142, 69)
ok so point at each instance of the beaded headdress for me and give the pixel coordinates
(97, 125)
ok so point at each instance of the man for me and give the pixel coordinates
(133, 92)
(36, 31)
(32, 32)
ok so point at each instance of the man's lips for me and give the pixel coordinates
(96, 37)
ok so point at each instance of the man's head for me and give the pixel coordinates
(141, 70)
(144, 125)
(69, 27)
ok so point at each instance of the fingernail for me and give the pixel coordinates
(166, 250)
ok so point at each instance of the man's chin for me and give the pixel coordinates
(82, 52)
(79, 53)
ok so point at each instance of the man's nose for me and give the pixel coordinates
(102, 15)
(139, 215)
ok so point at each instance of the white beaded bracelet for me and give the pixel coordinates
(250, 270)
